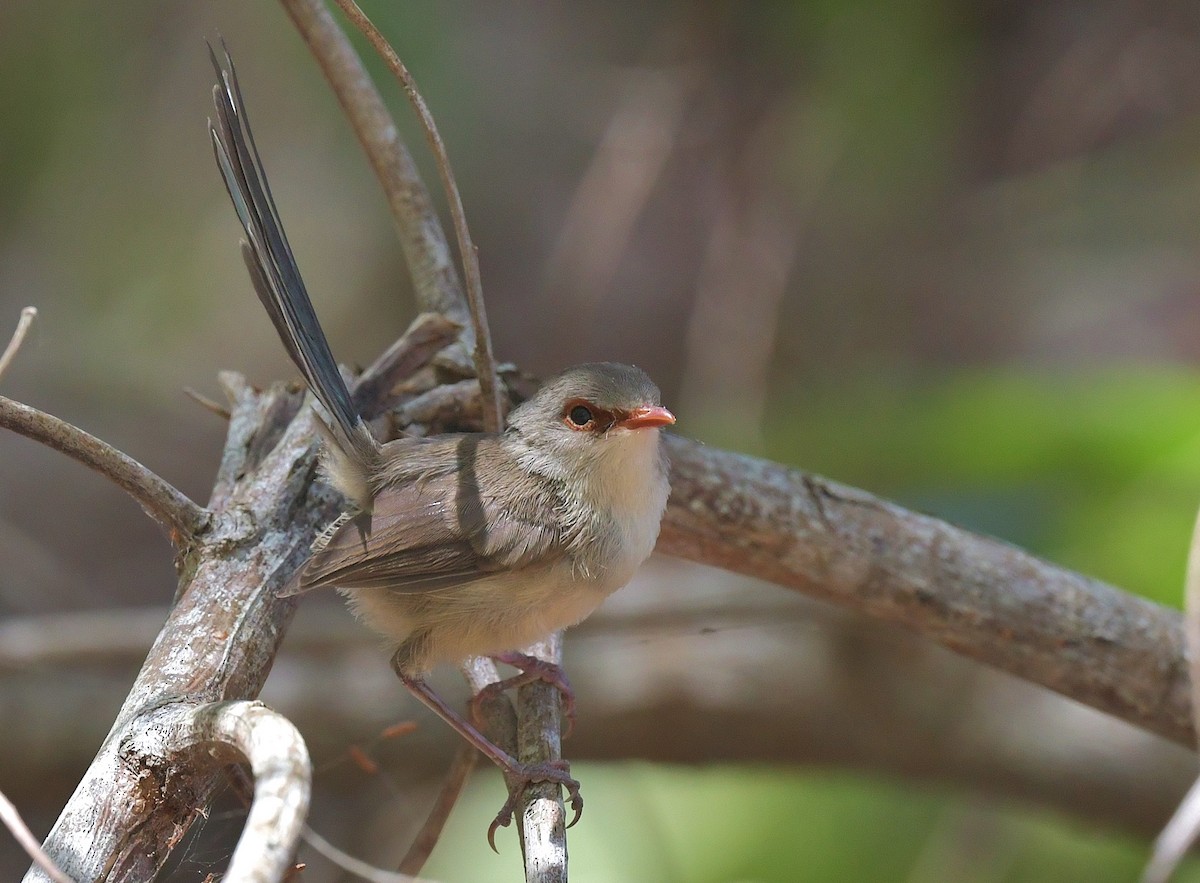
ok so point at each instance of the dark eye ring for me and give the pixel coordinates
(580, 415)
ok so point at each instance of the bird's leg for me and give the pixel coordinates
(532, 669)
(517, 775)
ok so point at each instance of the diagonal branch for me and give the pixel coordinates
(21, 833)
(421, 236)
(485, 361)
(10, 352)
(978, 596)
(181, 518)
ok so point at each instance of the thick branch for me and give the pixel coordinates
(217, 644)
(978, 596)
(278, 759)
(175, 513)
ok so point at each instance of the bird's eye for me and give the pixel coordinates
(580, 415)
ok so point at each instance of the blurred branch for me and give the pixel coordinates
(429, 834)
(28, 314)
(1180, 832)
(485, 361)
(21, 833)
(980, 597)
(182, 519)
(745, 676)
(351, 865)
(421, 236)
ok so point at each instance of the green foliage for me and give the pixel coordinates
(679, 825)
(1099, 472)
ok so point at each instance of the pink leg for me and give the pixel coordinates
(532, 669)
(517, 775)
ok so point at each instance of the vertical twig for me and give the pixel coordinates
(437, 287)
(543, 817)
(1181, 831)
(485, 361)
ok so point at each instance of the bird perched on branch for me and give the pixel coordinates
(467, 544)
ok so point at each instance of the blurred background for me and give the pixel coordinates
(948, 252)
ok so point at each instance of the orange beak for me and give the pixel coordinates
(647, 418)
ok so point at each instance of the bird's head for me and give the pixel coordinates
(600, 412)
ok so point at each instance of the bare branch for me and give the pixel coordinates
(351, 865)
(431, 831)
(10, 352)
(21, 833)
(978, 596)
(427, 334)
(543, 818)
(206, 403)
(485, 361)
(421, 236)
(278, 762)
(217, 644)
(182, 519)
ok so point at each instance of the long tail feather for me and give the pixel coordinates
(270, 262)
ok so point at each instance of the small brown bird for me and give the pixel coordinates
(469, 544)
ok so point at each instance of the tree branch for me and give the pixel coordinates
(485, 361)
(184, 734)
(179, 517)
(14, 344)
(421, 236)
(978, 596)
(543, 817)
(217, 644)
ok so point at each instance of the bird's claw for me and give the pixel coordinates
(521, 777)
(532, 669)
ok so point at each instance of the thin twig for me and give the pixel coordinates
(21, 833)
(206, 403)
(485, 361)
(27, 316)
(1181, 831)
(430, 262)
(351, 865)
(181, 518)
(427, 838)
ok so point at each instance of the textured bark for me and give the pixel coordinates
(978, 596)
(218, 643)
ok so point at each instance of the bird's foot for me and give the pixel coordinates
(532, 669)
(519, 776)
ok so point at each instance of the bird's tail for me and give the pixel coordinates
(277, 280)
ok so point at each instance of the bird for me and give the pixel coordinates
(464, 544)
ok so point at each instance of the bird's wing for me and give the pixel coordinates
(451, 525)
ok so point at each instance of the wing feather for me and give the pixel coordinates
(462, 512)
